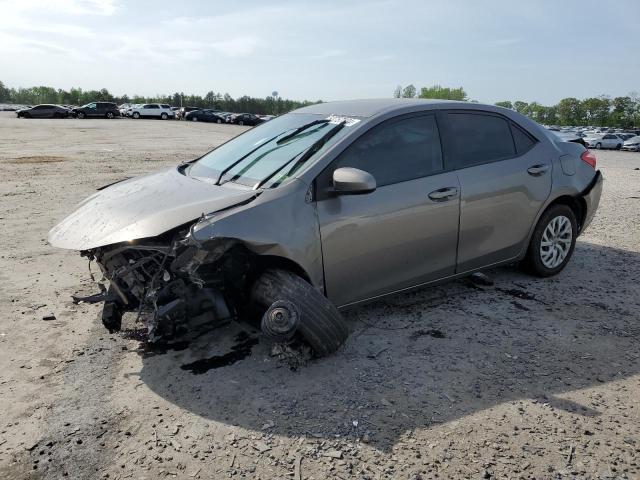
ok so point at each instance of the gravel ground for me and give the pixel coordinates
(526, 378)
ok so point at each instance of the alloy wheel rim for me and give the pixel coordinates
(556, 241)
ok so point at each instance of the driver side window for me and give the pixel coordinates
(396, 151)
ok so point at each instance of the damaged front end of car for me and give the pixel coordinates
(174, 284)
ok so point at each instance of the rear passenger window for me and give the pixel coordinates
(522, 139)
(397, 150)
(479, 138)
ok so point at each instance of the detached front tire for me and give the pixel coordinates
(320, 324)
(552, 242)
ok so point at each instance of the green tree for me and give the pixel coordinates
(521, 107)
(443, 93)
(409, 91)
(596, 110)
(570, 112)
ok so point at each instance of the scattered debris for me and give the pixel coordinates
(480, 278)
(337, 454)
(431, 332)
(261, 447)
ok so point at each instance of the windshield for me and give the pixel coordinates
(258, 156)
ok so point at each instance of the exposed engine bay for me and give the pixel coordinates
(172, 282)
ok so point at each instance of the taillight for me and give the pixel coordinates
(588, 157)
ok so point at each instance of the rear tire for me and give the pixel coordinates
(164, 116)
(618, 147)
(598, 146)
(320, 324)
(556, 231)
(80, 115)
(240, 122)
(109, 115)
(194, 119)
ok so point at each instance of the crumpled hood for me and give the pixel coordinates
(141, 207)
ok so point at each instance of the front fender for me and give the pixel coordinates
(281, 223)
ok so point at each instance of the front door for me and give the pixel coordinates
(402, 234)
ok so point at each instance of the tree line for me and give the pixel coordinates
(601, 111)
(273, 105)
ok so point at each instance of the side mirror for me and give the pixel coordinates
(352, 181)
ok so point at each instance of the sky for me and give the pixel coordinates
(536, 50)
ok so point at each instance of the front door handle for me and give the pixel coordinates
(537, 170)
(443, 193)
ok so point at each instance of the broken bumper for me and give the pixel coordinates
(172, 284)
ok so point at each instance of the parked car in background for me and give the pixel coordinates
(182, 111)
(632, 144)
(153, 110)
(44, 111)
(625, 136)
(608, 140)
(505, 191)
(123, 109)
(97, 110)
(205, 115)
(247, 119)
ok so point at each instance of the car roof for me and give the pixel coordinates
(373, 107)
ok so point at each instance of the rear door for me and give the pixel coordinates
(505, 177)
(402, 234)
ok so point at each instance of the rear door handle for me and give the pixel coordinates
(443, 193)
(537, 170)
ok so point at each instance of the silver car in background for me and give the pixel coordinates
(330, 206)
(608, 140)
(632, 144)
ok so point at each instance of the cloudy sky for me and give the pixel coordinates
(540, 50)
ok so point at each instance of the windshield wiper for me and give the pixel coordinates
(302, 129)
(233, 164)
(317, 145)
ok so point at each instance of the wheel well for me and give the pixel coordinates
(577, 204)
(265, 262)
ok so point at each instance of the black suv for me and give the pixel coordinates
(97, 109)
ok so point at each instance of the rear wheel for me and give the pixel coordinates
(80, 115)
(219, 121)
(618, 146)
(109, 115)
(240, 122)
(598, 146)
(319, 324)
(164, 116)
(552, 242)
(194, 119)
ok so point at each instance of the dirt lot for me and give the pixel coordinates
(527, 378)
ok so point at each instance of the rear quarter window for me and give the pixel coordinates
(523, 140)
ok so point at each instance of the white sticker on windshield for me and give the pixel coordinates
(336, 119)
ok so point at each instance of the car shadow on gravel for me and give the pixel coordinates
(428, 357)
